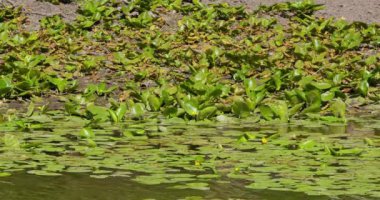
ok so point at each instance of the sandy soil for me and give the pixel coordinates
(352, 10)
(36, 10)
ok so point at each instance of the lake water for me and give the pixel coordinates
(171, 159)
(82, 187)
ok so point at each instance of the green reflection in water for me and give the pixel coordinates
(304, 156)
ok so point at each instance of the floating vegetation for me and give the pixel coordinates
(305, 156)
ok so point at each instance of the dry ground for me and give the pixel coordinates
(353, 10)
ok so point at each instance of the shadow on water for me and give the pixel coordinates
(82, 187)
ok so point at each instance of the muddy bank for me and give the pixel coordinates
(355, 10)
(36, 10)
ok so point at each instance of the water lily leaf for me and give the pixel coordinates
(332, 119)
(327, 96)
(240, 108)
(72, 108)
(102, 176)
(170, 112)
(337, 79)
(308, 144)
(216, 92)
(349, 152)
(214, 53)
(317, 45)
(207, 112)
(250, 136)
(363, 87)
(137, 110)
(250, 86)
(338, 107)
(5, 86)
(305, 81)
(301, 50)
(5, 174)
(87, 23)
(91, 143)
(321, 86)
(30, 110)
(113, 116)
(369, 142)
(154, 103)
(97, 112)
(258, 186)
(351, 40)
(242, 139)
(10, 141)
(201, 76)
(371, 60)
(266, 112)
(60, 83)
(295, 109)
(197, 3)
(190, 106)
(277, 80)
(87, 133)
(121, 110)
(314, 101)
(328, 150)
(280, 108)
(195, 186)
(301, 94)
(43, 173)
(366, 74)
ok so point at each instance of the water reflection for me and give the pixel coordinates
(82, 187)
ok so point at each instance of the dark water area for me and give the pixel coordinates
(82, 187)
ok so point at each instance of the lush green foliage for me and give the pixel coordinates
(118, 90)
(217, 60)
